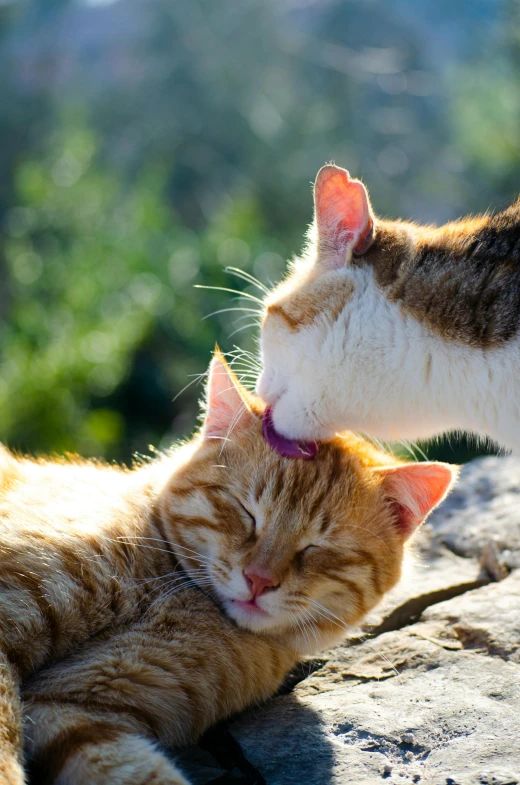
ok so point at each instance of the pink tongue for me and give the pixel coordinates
(289, 448)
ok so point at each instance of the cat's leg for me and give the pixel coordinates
(177, 680)
(11, 772)
(69, 745)
(158, 680)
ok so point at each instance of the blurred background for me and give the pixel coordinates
(146, 145)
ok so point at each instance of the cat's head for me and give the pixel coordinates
(332, 339)
(301, 549)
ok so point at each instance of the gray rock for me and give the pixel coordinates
(462, 715)
(431, 572)
(431, 693)
(484, 507)
(487, 619)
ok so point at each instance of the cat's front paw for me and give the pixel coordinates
(11, 772)
(115, 758)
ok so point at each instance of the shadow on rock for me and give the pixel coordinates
(283, 741)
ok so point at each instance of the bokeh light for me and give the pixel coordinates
(147, 146)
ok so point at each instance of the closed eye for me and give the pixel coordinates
(248, 515)
(307, 549)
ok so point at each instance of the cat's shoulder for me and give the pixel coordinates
(26, 478)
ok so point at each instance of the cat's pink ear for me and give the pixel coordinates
(416, 489)
(343, 215)
(226, 408)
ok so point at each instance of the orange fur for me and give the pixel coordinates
(120, 589)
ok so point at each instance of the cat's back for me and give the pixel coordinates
(70, 518)
(71, 555)
(58, 496)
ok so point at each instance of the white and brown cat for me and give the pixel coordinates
(394, 329)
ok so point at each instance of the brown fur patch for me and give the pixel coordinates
(461, 280)
(276, 310)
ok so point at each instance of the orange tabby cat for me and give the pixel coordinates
(176, 593)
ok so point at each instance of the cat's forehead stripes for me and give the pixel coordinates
(307, 494)
(283, 495)
(325, 296)
(197, 501)
(277, 310)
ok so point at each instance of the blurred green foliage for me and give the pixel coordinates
(148, 145)
(87, 261)
(101, 299)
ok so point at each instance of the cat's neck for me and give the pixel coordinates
(456, 328)
(472, 389)
(441, 384)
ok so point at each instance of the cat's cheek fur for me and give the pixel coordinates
(331, 372)
(231, 587)
(347, 377)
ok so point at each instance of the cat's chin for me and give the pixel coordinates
(251, 616)
(259, 621)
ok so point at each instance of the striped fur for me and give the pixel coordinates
(120, 590)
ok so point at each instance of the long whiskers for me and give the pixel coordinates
(246, 295)
(199, 556)
(331, 616)
(246, 356)
(129, 539)
(248, 278)
(229, 310)
(244, 327)
(198, 378)
(301, 630)
(177, 587)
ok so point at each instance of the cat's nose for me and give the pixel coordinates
(259, 581)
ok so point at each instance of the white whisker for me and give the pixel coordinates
(244, 327)
(198, 379)
(247, 295)
(228, 310)
(247, 277)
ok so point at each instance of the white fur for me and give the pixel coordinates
(381, 372)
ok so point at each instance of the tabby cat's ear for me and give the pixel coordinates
(415, 489)
(342, 214)
(227, 410)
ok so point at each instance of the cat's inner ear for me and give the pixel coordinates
(342, 214)
(415, 489)
(227, 411)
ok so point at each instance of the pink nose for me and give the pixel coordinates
(259, 581)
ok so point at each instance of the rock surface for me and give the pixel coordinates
(431, 693)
